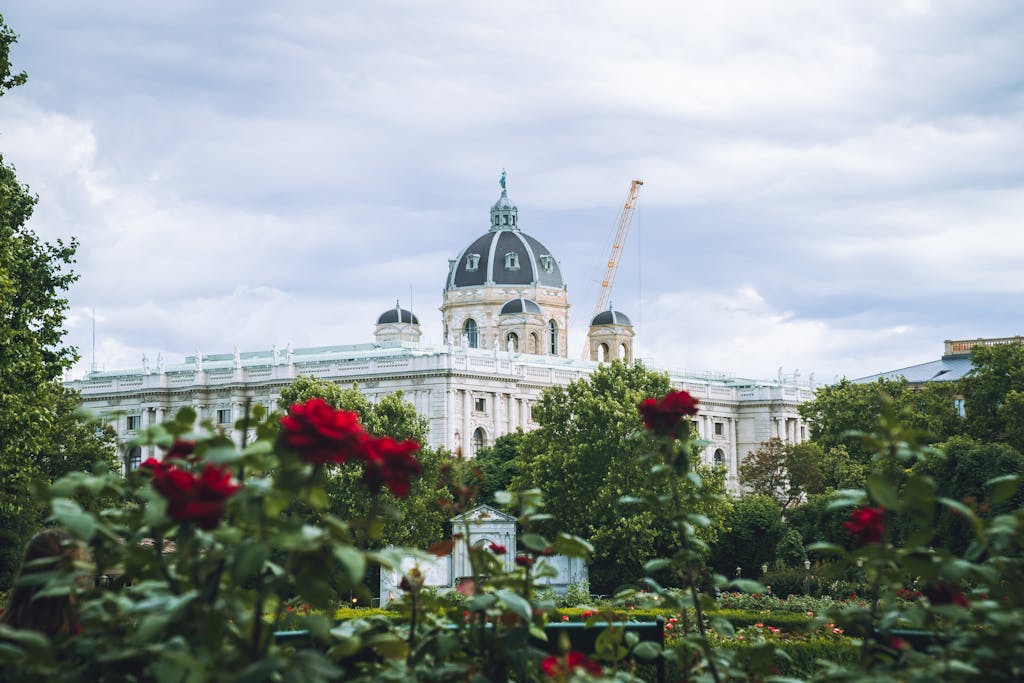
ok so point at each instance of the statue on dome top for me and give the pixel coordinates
(502, 181)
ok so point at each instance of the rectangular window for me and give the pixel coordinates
(224, 416)
(719, 429)
(134, 422)
(958, 406)
(481, 405)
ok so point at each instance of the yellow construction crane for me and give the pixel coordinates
(605, 293)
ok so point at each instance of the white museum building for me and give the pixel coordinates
(505, 313)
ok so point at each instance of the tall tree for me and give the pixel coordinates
(994, 394)
(845, 406)
(784, 472)
(41, 436)
(584, 456)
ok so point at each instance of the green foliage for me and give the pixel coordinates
(752, 529)
(784, 472)
(846, 407)
(963, 475)
(992, 392)
(789, 552)
(585, 456)
(415, 521)
(41, 435)
(497, 465)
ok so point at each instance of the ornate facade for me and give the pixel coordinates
(505, 313)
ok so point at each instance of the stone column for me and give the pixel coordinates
(498, 413)
(449, 421)
(467, 438)
(734, 451)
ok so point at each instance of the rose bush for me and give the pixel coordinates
(214, 549)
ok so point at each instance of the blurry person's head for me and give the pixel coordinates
(52, 551)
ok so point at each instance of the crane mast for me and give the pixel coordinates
(619, 241)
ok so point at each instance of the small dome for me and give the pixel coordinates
(503, 203)
(396, 315)
(611, 317)
(520, 305)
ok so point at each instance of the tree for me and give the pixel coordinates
(846, 406)
(752, 530)
(993, 394)
(584, 456)
(783, 472)
(41, 436)
(497, 464)
(416, 521)
(962, 475)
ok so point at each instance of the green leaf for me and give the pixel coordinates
(222, 455)
(352, 560)
(647, 650)
(516, 604)
(535, 542)
(656, 565)
(746, 586)
(823, 548)
(883, 490)
(74, 518)
(502, 497)
(249, 559)
(573, 546)
(964, 511)
(1004, 487)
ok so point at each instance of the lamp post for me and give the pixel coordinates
(807, 577)
(860, 575)
(738, 571)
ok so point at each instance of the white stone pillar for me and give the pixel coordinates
(449, 421)
(467, 438)
(734, 451)
(495, 418)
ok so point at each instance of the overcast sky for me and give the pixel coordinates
(834, 187)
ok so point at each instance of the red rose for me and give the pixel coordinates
(942, 593)
(557, 667)
(181, 449)
(321, 434)
(390, 463)
(497, 549)
(866, 525)
(190, 498)
(524, 560)
(663, 416)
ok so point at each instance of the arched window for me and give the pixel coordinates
(512, 342)
(134, 457)
(602, 353)
(623, 352)
(552, 337)
(472, 334)
(534, 343)
(479, 439)
(719, 457)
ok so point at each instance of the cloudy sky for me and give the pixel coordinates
(834, 187)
